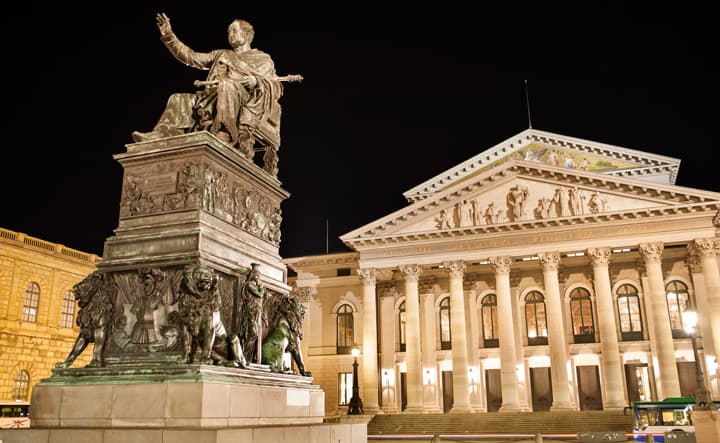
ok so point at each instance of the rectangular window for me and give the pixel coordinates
(345, 383)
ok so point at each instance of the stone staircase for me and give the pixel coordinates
(556, 422)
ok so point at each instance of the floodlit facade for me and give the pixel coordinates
(37, 310)
(545, 273)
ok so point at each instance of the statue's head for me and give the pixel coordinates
(240, 32)
(204, 278)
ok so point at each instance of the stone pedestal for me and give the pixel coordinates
(188, 203)
(173, 396)
(193, 198)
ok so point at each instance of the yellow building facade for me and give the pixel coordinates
(37, 310)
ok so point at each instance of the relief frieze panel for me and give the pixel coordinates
(172, 186)
(518, 203)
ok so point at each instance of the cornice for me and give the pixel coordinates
(647, 163)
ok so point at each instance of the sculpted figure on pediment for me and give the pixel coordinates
(445, 220)
(516, 198)
(492, 214)
(577, 200)
(560, 199)
(597, 204)
(465, 213)
(477, 212)
(543, 209)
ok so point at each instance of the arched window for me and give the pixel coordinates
(581, 315)
(678, 301)
(445, 337)
(67, 315)
(345, 329)
(32, 299)
(402, 321)
(489, 321)
(21, 383)
(629, 312)
(535, 318)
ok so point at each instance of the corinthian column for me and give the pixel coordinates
(506, 326)
(369, 383)
(668, 383)
(707, 250)
(458, 331)
(412, 339)
(612, 372)
(556, 333)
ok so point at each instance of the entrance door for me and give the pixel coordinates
(447, 390)
(493, 388)
(541, 387)
(688, 379)
(589, 388)
(403, 391)
(636, 380)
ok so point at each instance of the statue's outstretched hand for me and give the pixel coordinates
(163, 23)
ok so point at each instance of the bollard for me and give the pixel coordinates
(538, 438)
(649, 438)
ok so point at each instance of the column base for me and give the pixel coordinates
(414, 410)
(564, 406)
(510, 408)
(461, 409)
(614, 406)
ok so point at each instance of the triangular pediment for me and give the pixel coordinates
(559, 151)
(519, 194)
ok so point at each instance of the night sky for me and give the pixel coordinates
(390, 99)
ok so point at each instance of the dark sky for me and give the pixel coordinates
(391, 97)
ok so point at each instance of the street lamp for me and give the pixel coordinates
(355, 406)
(703, 401)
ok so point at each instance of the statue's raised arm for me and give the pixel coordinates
(238, 101)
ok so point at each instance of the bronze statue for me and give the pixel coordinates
(250, 314)
(203, 330)
(239, 102)
(95, 295)
(285, 317)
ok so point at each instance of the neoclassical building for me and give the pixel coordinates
(37, 309)
(545, 273)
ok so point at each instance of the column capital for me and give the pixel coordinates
(411, 272)
(302, 294)
(501, 264)
(456, 268)
(706, 246)
(550, 260)
(368, 276)
(652, 252)
(599, 256)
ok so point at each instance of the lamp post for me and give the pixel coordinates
(355, 406)
(703, 402)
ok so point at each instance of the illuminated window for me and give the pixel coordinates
(345, 329)
(345, 383)
(402, 321)
(535, 318)
(490, 321)
(67, 315)
(629, 312)
(32, 299)
(678, 301)
(21, 383)
(445, 337)
(581, 315)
